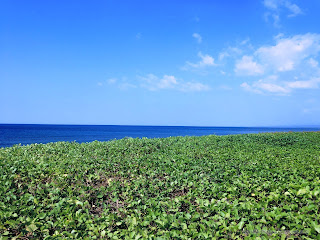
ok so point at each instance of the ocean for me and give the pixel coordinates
(12, 134)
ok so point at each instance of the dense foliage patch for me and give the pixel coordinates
(237, 186)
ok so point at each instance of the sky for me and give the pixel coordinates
(142, 62)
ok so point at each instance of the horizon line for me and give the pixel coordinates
(150, 125)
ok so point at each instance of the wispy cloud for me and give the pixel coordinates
(194, 87)
(112, 80)
(309, 84)
(154, 83)
(225, 87)
(313, 63)
(121, 83)
(262, 87)
(237, 50)
(270, 86)
(196, 19)
(293, 8)
(126, 86)
(109, 81)
(198, 37)
(230, 52)
(311, 110)
(138, 36)
(275, 7)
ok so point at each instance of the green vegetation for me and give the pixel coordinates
(237, 186)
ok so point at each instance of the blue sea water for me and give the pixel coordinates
(11, 134)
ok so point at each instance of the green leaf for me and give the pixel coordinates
(41, 215)
(184, 226)
(32, 227)
(316, 226)
(240, 225)
(77, 202)
(302, 191)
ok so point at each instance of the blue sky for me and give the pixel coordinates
(200, 63)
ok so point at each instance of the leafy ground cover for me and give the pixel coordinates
(232, 187)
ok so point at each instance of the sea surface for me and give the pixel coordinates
(12, 134)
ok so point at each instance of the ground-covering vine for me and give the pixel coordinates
(232, 187)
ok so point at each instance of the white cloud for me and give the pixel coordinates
(154, 83)
(246, 66)
(289, 52)
(167, 82)
(198, 37)
(290, 58)
(206, 60)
